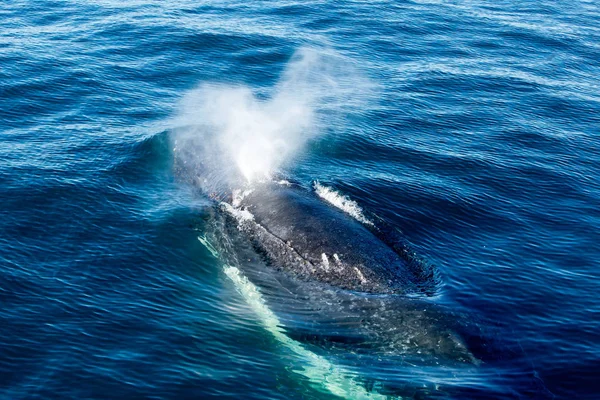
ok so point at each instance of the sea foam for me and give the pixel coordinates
(342, 202)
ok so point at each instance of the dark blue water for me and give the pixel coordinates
(479, 140)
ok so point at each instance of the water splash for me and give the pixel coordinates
(342, 202)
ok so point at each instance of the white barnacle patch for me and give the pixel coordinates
(325, 262)
(360, 276)
(338, 263)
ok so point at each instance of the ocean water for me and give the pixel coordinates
(470, 126)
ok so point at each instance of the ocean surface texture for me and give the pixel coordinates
(470, 126)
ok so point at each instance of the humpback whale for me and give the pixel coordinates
(317, 278)
(352, 281)
(299, 233)
(347, 285)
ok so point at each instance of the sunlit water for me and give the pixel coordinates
(470, 126)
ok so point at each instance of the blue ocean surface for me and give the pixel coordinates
(471, 127)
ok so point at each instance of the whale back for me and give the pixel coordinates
(299, 233)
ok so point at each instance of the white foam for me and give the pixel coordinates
(342, 202)
(318, 369)
(241, 215)
(238, 195)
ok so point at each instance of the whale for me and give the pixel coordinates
(297, 232)
(334, 279)
(346, 294)
(381, 332)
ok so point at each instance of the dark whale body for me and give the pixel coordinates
(370, 282)
(301, 234)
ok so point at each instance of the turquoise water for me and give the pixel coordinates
(471, 127)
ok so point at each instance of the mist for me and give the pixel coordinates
(226, 137)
